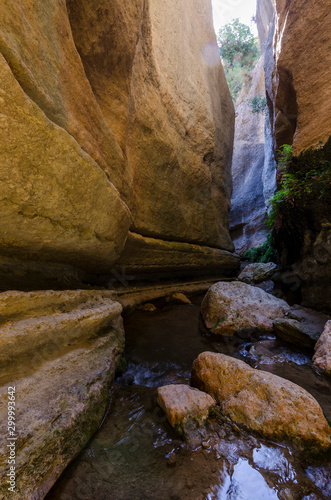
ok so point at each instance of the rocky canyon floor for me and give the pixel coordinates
(136, 455)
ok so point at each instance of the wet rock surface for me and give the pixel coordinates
(181, 403)
(238, 308)
(136, 454)
(262, 402)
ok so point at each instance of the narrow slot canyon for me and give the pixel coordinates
(165, 250)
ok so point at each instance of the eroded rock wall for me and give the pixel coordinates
(115, 116)
(297, 67)
(298, 74)
(248, 204)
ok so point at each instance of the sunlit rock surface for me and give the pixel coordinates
(113, 116)
(298, 73)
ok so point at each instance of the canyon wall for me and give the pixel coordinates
(298, 70)
(253, 166)
(115, 118)
(248, 203)
(116, 137)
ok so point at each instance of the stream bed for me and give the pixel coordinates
(135, 454)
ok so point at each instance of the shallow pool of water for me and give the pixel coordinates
(135, 453)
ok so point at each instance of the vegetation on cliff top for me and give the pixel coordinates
(239, 52)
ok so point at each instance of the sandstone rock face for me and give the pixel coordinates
(299, 100)
(322, 356)
(177, 145)
(181, 402)
(133, 89)
(241, 309)
(60, 351)
(142, 254)
(299, 74)
(56, 203)
(252, 186)
(258, 272)
(263, 402)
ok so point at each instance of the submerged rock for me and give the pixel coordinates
(238, 308)
(257, 273)
(295, 332)
(270, 405)
(179, 298)
(60, 351)
(182, 403)
(148, 307)
(322, 356)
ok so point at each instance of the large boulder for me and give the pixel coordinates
(60, 351)
(322, 356)
(262, 402)
(238, 308)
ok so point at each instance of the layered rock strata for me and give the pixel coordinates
(59, 350)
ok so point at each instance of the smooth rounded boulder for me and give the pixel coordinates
(262, 402)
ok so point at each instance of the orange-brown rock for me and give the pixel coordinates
(262, 402)
(299, 72)
(56, 204)
(181, 402)
(133, 89)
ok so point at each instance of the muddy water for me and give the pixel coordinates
(136, 455)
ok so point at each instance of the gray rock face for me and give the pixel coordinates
(241, 309)
(295, 332)
(247, 204)
(256, 273)
(253, 171)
